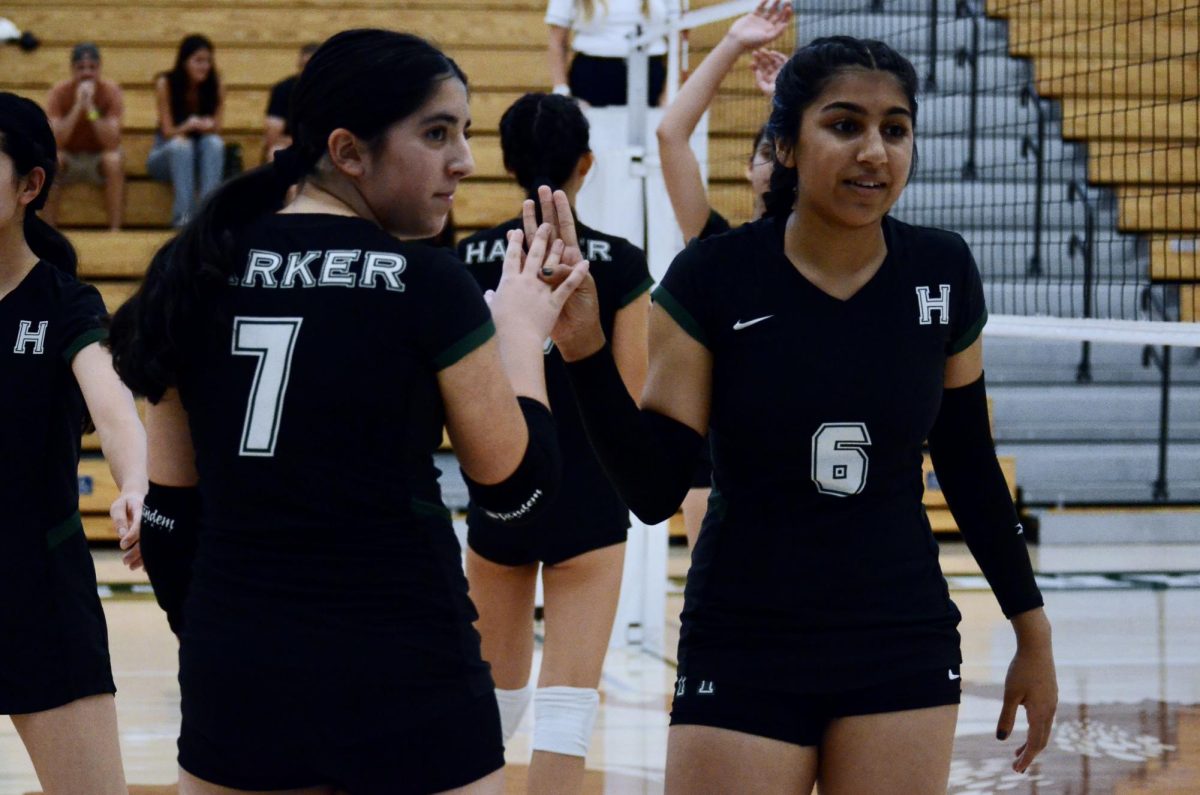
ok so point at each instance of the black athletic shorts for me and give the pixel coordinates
(53, 637)
(603, 81)
(519, 546)
(702, 474)
(801, 719)
(289, 731)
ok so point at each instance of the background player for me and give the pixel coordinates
(580, 539)
(820, 346)
(55, 674)
(681, 170)
(302, 363)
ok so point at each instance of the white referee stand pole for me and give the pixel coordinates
(625, 195)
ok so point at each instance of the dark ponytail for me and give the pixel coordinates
(801, 81)
(26, 137)
(152, 332)
(542, 137)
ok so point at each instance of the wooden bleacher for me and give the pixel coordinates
(1128, 77)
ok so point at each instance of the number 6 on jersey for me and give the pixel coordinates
(839, 463)
(272, 340)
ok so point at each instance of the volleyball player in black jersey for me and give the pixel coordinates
(820, 346)
(580, 539)
(681, 170)
(301, 362)
(55, 675)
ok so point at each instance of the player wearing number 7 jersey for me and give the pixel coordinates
(302, 362)
(820, 346)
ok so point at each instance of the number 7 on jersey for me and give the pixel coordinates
(272, 340)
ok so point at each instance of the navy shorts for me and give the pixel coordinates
(801, 719)
(520, 546)
(290, 731)
(53, 637)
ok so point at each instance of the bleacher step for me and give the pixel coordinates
(1110, 526)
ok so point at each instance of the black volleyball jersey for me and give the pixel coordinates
(315, 411)
(816, 567)
(586, 498)
(47, 319)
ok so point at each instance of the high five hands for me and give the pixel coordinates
(577, 333)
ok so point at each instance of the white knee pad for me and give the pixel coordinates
(563, 718)
(513, 704)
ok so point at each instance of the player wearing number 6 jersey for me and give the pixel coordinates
(820, 347)
(303, 361)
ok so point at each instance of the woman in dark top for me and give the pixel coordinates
(55, 674)
(580, 540)
(301, 363)
(188, 151)
(681, 170)
(819, 347)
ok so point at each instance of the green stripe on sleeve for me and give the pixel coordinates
(82, 341)
(64, 530)
(970, 335)
(464, 346)
(635, 293)
(680, 315)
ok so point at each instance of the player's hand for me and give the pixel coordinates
(206, 123)
(1031, 683)
(85, 93)
(126, 513)
(523, 304)
(767, 23)
(556, 212)
(766, 65)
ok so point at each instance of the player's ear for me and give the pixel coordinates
(584, 166)
(30, 185)
(347, 152)
(785, 153)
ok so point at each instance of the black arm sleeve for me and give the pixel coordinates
(169, 519)
(650, 458)
(534, 483)
(964, 458)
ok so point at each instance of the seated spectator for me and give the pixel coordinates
(188, 151)
(276, 134)
(85, 113)
(598, 31)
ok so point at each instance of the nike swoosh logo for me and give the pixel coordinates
(738, 326)
(953, 675)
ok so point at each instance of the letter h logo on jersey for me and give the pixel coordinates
(928, 305)
(26, 335)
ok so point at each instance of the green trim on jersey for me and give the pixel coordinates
(64, 530)
(430, 509)
(970, 335)
(82, 341)
(635, 293)
(464, 346)
(680, 315)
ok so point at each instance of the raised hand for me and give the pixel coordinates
(767, 23)
(766, 65)
(523, 304)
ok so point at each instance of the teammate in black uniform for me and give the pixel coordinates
(302, 362)
(580, 539)
(681, 170)
(55, 676)
(820, 346)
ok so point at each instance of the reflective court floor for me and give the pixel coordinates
(1127, 644)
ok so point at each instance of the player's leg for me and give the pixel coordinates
(112, 168)
(191, 785)
(707, 759)
(581, 603)
(504, 597)
(905, 753)
(75, 748)
(695, 505)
